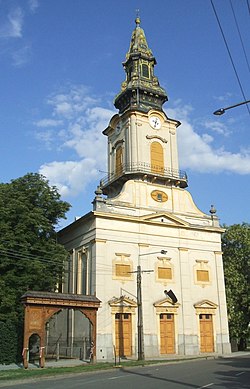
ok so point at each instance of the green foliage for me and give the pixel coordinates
(8, 342)
(30, 257)
(236, 260)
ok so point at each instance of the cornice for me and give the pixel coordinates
(139, 219)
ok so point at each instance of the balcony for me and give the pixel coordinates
(147, 172)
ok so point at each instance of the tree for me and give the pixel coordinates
(236, 260)
(30, 257)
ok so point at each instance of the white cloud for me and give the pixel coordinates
(21, 56)
(46, 138)
(216, 126)
(33, 5)
(72, 102)
(71, 177)
(83, 121)
(198, 153)
(207, 138)
(12, 27)
(48, 123)
(223, 98)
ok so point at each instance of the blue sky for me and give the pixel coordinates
(61, 67)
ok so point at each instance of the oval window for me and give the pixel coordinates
(159, 196)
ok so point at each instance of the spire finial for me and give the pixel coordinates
(137, 20)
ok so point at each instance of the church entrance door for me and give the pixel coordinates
(123, 334)
(206, 334)
(167, 333)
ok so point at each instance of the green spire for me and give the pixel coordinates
(141, 89)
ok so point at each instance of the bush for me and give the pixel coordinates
(8, 343)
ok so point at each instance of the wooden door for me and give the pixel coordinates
(157, 161)
(123, 334)
(167, 333)
(206, 334)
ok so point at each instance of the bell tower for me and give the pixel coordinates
(142, 140)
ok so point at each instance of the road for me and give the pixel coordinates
(230, 373)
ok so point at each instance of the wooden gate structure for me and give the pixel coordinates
(40, 306)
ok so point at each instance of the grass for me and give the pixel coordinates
(13, 374)
(33, 373)
(20, 373)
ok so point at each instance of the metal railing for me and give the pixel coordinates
(144, 168)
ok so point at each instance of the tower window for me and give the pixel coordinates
(157, 162)
(118, 161)
(145, 70)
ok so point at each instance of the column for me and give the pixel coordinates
(223, 344)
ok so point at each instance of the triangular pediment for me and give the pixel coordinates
(165, 303)
(205, 304)
(165, 217)
(122, 301)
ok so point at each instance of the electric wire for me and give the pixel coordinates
(248, 6)
(31, 256)
(19, 256)
(230, 56)
(14, 255)
(24, 246)
(240, 36)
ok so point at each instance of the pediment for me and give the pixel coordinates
(205, 304)
(122, 301)
(165, 303)
(165, 217)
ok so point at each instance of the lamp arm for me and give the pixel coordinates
(220, 111)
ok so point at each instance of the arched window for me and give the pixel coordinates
(118, 160)
(157, 160)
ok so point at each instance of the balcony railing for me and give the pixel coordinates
(147, 169)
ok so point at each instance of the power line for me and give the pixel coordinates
(229, 53)
(241, 40)
(27, 257)
(29, 246)
(26, 243)
(248, 6)
(14, 255)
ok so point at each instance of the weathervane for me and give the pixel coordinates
(137, 20)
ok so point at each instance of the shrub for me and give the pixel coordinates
(8, 343)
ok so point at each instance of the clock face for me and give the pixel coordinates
(155, 122)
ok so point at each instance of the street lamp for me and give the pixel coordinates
(139, 272)
(170, 293)
(221, 111)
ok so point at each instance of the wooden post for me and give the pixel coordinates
(42, 356)
(25, 357)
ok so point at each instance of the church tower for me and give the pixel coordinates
(141, 138)
(145, 250)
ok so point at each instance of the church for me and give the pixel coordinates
(145, 250)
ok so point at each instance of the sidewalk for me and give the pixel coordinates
(50, 363)
(77, 362)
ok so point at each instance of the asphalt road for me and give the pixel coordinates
(230, 373)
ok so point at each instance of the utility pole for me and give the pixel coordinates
(139, 272)
(140, 319)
